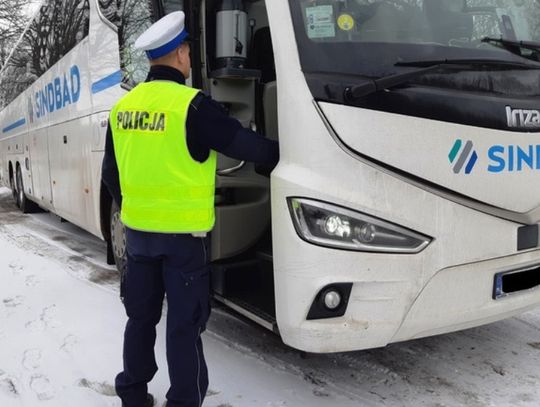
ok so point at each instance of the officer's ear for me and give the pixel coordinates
(184, 48)
(183, 59)
(183, 54)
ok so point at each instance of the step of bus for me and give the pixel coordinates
(249, 311)
(249, 281)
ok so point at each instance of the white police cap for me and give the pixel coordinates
(164, 36)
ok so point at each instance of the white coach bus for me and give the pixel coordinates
(405, 202)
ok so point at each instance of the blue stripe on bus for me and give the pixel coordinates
(12, 126)
(107, 82)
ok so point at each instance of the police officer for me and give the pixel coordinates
(160, 163)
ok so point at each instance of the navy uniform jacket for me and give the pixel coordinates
(208, 127)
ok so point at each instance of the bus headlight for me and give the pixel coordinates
(329, 225)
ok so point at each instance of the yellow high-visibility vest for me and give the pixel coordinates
(163, 188)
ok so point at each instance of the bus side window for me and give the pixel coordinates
(57, 28)
(170, 6)
(60, 26)
(132, 18)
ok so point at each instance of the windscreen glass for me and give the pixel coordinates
(369, 36)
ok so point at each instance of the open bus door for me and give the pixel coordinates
(238, 71)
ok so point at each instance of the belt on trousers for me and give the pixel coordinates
(199, 234)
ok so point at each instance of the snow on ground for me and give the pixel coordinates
(60, 340)
(61, 326)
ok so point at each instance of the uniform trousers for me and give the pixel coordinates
(175, 265)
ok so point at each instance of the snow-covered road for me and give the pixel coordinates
(61, 326)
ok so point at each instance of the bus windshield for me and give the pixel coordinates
(368, 37)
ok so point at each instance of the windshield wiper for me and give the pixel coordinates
(476, 62)
(427, 66)
(512, 45)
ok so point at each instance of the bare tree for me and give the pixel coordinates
(55, 30)
(14, 15)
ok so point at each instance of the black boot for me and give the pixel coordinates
(148, 403)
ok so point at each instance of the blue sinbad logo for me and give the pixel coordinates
(60, 92)
(509, 158)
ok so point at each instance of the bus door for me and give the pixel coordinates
(236, 68)
(224, 65)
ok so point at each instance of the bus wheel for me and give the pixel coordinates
(25, 204)
(14, 190)
(118, 243)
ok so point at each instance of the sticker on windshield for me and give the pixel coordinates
(345, 22)
(320, 22)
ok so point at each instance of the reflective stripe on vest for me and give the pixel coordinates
(163, 188)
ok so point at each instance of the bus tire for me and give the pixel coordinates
(118, 244)
(25, 204)
(13, 189)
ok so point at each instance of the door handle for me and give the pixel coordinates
(229, 171)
